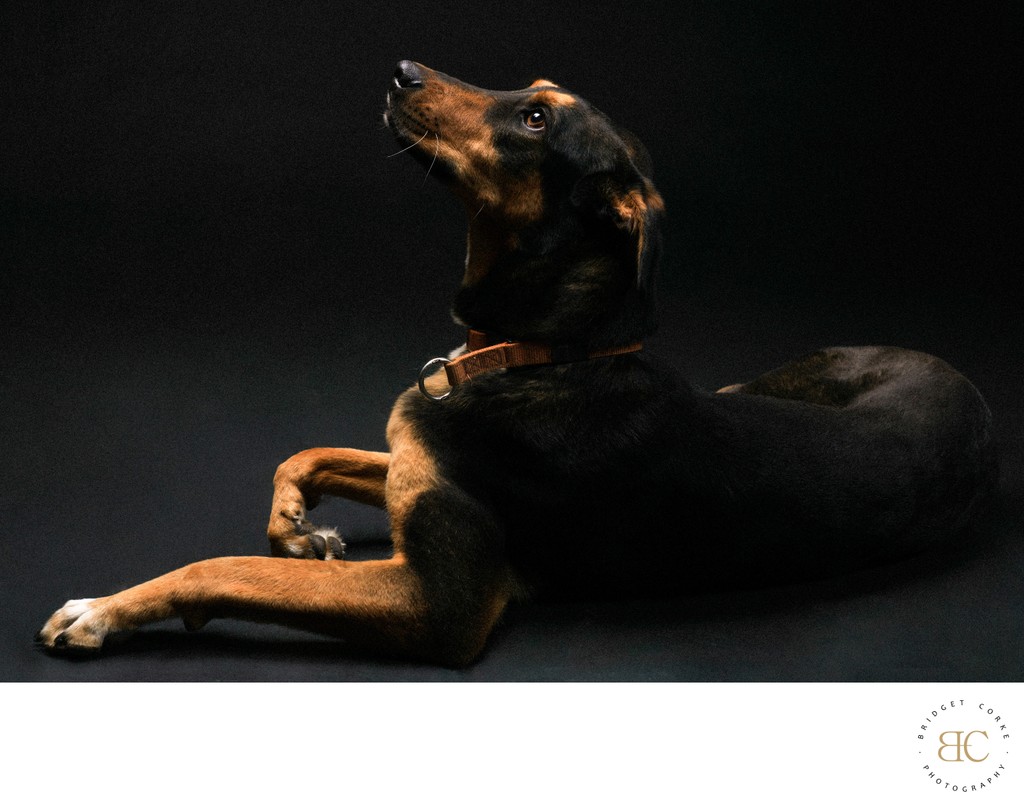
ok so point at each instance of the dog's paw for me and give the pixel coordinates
(78, 626)
(313, 542)
(324, 541)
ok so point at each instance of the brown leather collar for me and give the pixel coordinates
(485, 354)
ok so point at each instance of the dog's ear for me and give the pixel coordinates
(638, 153)
(629, 201)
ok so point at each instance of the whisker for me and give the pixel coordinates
(402, 151)
(479, 211)
(437, 148)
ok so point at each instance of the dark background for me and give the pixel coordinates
(209, 263)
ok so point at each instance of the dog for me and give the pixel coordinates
(549, 456)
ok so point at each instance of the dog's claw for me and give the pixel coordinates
(302, 526)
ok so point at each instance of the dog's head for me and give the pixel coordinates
(563, 213)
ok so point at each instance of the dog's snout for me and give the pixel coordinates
(408, 75)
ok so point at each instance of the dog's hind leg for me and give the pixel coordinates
(831, 377)
(303, 479)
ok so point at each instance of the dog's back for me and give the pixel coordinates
(616, 476)
(875, 452)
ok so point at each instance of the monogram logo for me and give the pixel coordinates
(964, 746)
(962, 743)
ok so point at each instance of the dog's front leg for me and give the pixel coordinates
(303, 479)
(437, 598)
(372, 603)
(382, 605)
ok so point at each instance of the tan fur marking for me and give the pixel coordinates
(543, 82)
(554, 98)
(654, 199)
(631, 209)
(451, 119)
(457, 116)
(413, 472)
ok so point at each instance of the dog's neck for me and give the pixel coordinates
(486, 243)
(537, 284)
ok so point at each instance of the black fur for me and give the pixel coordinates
(617, 477)
(613, 476)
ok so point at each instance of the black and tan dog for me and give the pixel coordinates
(550, 457)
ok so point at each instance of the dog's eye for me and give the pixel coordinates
(534, 119)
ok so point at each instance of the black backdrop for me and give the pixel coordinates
(209, 262)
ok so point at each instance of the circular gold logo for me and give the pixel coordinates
(964, 746)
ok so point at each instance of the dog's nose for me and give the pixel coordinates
(408, 75)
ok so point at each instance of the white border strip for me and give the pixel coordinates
(491, 743)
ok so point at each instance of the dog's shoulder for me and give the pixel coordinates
(568, 420)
